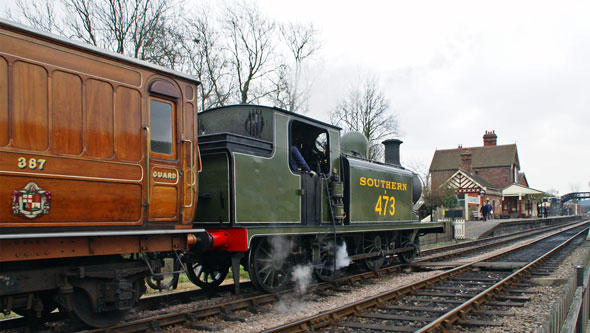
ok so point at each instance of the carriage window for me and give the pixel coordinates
(161, 120)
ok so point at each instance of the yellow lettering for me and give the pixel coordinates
(370, 182)
(405, 187)
(363, 181)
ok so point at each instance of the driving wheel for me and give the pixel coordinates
(270, 265)
(408, 256)
(329, 269)
(374, 243)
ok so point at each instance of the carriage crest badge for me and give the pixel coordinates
(31, 201)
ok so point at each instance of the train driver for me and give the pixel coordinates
(298, 162)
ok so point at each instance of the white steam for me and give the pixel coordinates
(280, 248)
(342, 258)
(301, 277)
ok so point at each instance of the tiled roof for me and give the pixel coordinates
(482, 157)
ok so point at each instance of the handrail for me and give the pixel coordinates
(193, 175)
(147, 161)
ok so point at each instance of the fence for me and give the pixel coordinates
(572, 311)
(447, 236)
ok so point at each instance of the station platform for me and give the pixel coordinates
(475, 229)
(482, 229)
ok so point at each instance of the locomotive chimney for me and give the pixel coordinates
(489, 139)
(392, 151)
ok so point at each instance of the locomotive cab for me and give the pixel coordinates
(248, 178)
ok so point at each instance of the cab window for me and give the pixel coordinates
(311, 142)
(162, 127)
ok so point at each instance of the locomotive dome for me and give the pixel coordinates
(355, 143)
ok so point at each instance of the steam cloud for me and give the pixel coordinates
(302, 278)
(342, 258)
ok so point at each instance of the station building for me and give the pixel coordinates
(486, 174)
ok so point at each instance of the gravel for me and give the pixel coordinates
(296, 306)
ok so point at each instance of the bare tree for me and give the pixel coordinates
(251, 39)
(143, 29)
(302, 42)
(206, 59)
(38, 14)
(238, 55)
(366, 110)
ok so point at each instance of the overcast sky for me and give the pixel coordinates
(454, 69)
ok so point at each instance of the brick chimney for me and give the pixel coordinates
(466, 160)
(489, 139)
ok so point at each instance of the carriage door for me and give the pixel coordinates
(163, 164)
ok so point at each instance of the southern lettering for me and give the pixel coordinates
(380, 183)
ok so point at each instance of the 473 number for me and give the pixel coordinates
(385, 205)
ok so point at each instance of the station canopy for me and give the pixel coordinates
(520, 191)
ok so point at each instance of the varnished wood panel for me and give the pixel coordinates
(75, 202)
(48, 53)
(29, 120)
(128, 125)
(64, 167)
(99, 119)
(164, 202)
(66, 113)
(3, 102)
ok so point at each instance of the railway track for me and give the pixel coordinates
(254, 303)
(455, 297)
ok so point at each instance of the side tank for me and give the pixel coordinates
(379, 192)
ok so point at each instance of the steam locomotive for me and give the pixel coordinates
(105, 171)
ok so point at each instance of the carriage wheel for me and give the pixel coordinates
(270, 266)
(168, 280)
(408, 256)
(82, 311)
(374, 243)
(207, 275)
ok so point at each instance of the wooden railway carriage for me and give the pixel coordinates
(267, 216)
(98, 158)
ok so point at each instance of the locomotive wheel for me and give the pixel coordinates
(167, 281)
(83, 312)
(270, 268)
(327, 259)
(374, 243)
(408, 256)
(206, 275)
